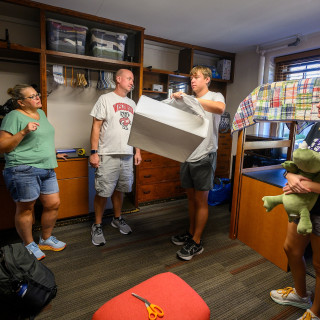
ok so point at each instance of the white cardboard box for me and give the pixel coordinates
(224, 68)
(166, 130)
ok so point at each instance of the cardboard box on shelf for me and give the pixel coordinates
(166, 130)
(224, 68)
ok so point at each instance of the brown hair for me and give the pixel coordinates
(16, 94)
(204, 70)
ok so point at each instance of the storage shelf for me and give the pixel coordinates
(83, 61)
(18, 52)
(184, 75)
(151, 91)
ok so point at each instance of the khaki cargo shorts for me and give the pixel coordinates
(114, 173)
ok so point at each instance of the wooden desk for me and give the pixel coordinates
(72, 175)
(263, 231)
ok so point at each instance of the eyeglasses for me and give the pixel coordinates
(34, 96)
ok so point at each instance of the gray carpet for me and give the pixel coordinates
(233, 279)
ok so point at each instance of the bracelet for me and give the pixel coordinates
(285, 174)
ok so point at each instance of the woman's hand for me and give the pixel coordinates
(294, 184)
(31, 126)
(63, 156)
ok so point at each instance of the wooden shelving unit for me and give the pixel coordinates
(30, 18)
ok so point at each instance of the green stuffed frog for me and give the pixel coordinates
(305, 162)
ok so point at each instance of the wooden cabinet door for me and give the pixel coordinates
(74, 197)
(263, 231)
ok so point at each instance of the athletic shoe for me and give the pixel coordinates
(181, 239)
(309, 315)
(189, 250)
(97, 235)
(121, 224)
(33, 248)
(288, 296)
(52, 243)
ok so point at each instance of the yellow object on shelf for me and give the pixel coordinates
(81, 152)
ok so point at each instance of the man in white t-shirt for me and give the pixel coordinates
(110, 153)
(197, 173)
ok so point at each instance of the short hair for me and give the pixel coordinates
(16, 94)
(204, 70)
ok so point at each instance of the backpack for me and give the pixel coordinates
(26, 285)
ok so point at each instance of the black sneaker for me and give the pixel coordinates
(181, 239)
(190, 249)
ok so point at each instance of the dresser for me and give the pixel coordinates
(157, 178)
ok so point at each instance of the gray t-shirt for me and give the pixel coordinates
(117, 113)
(210, 143)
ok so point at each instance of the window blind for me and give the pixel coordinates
(298, 66)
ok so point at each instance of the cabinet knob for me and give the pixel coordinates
(146, 192)
(147, 176)
(147, 160)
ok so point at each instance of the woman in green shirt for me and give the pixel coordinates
(27, 141)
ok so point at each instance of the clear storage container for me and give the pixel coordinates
(108, 44)
(66, 37)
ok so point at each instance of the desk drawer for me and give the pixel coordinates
(151, 160)
(155, 175)
(72, 168)
(159, 191)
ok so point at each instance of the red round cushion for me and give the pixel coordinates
(176, 298)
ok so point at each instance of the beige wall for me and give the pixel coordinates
(12, 73)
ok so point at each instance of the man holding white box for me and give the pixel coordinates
(197, 173)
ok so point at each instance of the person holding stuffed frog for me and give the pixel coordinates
(295, 243)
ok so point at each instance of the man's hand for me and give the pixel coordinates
(178, 95)
(94, 160)
(137, 158)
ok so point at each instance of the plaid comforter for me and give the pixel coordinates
(283, 100)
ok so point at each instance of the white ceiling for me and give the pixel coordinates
(229, 25)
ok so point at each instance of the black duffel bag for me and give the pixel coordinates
(26, 285)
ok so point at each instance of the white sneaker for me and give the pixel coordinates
(288, 296)
(309, 315)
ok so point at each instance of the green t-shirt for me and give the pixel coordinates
(37, 148)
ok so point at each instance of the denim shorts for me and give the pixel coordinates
(199, 175)
(26, 183)
(114, 173)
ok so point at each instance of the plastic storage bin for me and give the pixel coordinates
(66, 37)
(108, 44)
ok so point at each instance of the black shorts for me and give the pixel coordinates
(199, 175)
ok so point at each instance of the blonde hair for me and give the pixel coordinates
(16, 94)
(204, 70)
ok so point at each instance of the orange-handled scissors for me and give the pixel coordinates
(153, 310)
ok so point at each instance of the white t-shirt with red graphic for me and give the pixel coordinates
(117, 115)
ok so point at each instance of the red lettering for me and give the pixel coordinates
(122, 106)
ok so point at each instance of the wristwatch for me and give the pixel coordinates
(94, 151)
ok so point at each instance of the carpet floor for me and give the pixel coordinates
(233, 279)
